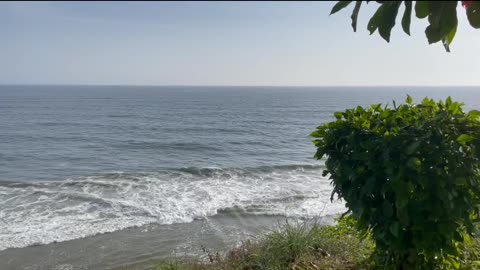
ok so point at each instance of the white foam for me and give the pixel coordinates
(46, 212)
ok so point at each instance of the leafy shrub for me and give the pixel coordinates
(410, 174)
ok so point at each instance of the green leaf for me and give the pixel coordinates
(473, 14)
(407, 14)
(473, 115)
(338, 115)
(409, 99)
(448, 40)
(448, 102)
(464, 138)
(384, 19)
(440, 116)
(354, 16)
(421, 9)
(443, 20)
(395, 228)
(319, 154)
(339, 6)
(376, 107)
(316, 134)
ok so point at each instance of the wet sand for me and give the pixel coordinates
(139, 248)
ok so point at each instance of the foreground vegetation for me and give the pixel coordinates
(291, 246)
(300, 246)
(441, 16)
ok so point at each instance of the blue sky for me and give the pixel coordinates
(221, 43)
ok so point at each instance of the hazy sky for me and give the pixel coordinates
(221, 43)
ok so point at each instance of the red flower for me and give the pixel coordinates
(467, 4)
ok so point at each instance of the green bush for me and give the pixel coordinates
(410, 175)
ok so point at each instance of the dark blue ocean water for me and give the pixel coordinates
(80, 160)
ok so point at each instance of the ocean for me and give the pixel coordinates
(77, 162)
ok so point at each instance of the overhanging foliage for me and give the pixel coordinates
(442, 17)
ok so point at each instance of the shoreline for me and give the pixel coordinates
(136, 247)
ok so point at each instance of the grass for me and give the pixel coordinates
(296, 246)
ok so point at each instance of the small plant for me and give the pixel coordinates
(410, 175)
(289, 242)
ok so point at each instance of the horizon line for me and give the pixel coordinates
(226, 85)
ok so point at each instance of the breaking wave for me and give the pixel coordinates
(33, 213)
